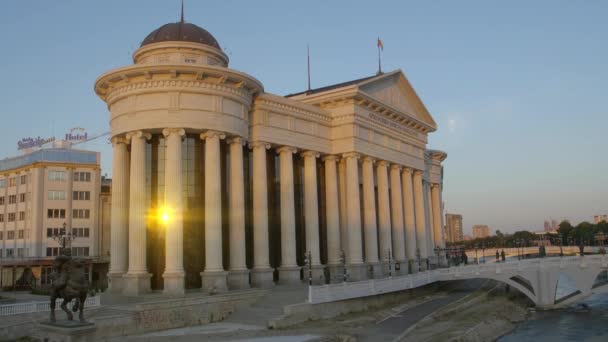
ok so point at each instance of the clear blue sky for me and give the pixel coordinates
(518, 88)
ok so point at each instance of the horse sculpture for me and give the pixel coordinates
(69, 282)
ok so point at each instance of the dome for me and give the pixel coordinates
(181, 31)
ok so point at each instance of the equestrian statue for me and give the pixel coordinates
(69, 282)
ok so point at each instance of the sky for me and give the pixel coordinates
(518, 88)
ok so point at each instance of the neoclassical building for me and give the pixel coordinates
(220, 185)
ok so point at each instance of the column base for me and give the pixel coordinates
(400, 268)
(290, 275)
(116, 282)
(238, 279)
(318, 274)
(262, 277)
(357, 272)
(336, 274)
(413, 266)
(374, 270)
(136, 284)
(424, 264)
(214, 281)
(173, 284)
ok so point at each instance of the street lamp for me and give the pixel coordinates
(308, 261)
(343, 261)
(476, 258)
(64, 237)
(390, 268)
(483, 252)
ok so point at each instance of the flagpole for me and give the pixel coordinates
(308, 61)
(379, 62)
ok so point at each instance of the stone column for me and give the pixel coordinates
(410, 219)
(261, 275)
(289, 272)
(397, 218)
(311, 213)
(332, 209)
(238, 276)
(173, 277)
(421, 239)
(119, 229)
(435, 198)
(214, 276)
(370, 229)
(137, 279)
(384, 215)
(430, 229)
(342, 197)
(354, 258)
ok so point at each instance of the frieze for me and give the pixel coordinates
(391, 123)
(121, 91)
(292, 109)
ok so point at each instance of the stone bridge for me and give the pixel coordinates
(538, 279)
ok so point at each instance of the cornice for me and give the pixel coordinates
(287, 106)
(110, 80)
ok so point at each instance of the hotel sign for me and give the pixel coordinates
(33, 142)
(76, 134)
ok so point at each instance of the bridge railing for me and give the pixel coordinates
(22, 308)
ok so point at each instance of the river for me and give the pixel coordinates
(576, 323)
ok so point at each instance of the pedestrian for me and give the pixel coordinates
(502, 254)
(497, 256)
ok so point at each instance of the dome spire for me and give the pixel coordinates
(182, 18)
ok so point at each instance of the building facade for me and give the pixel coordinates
(217, 184)
(453, 227)
(44, 194)
(481, 231)
(600, 218)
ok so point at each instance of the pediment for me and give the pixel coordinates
(395, 90)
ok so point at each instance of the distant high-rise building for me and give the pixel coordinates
(467, 238)
(547, 226)
(453, 227)
(600, 218)
(554, 225)
(480, 231)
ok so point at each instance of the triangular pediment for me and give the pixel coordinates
(395, 90)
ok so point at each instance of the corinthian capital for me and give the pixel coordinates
(236, 140)
(287, 149)
(119, 139)
(351, 155)
(313, 154)
(258, 144)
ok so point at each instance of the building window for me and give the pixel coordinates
(190, 60)
(81, 195)
(3, 183)
(20, 234)
(11, 217)
(1, 217)
(58, 176)
(10, 235)
(20, 253)
(22, 216)
(9, 253)
(45, 275)
(1, 238)
(12, 199)
(82, 176)
(12, 181)
(52, 251)
(23, 179)
(21, 198)
(1, 200)
(56, 195)
(80, 232)
(80, 251)
(81, 213)
(55, 213)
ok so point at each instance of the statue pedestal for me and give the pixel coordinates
(67, 331)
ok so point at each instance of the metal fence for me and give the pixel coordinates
(22, 308)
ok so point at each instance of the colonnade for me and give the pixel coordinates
(394, 225)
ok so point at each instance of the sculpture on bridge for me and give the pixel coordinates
(69, 282)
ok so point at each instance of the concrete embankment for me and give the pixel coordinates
(484, 315)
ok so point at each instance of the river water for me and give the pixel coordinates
(576, 323)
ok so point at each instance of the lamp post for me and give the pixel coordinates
(308, 261)
(483, 252)
(476, 258)
(343, 261)
(390, 267)
(64, 237)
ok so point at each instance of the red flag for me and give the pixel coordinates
(380, 45)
